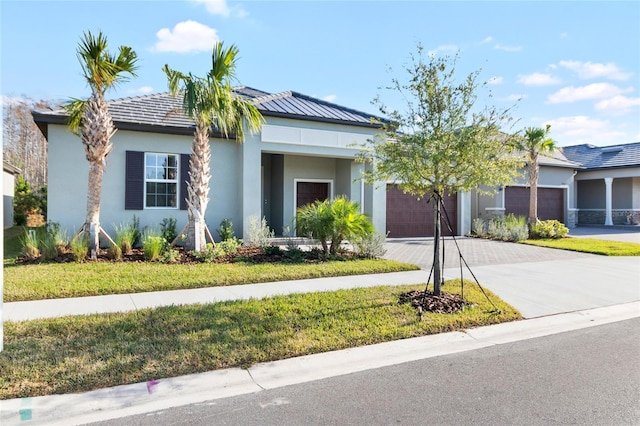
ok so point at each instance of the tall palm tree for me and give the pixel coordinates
(536, 142)
(210, 102)
(91, 120)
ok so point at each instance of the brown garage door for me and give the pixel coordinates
(408, 217)
(550, 202)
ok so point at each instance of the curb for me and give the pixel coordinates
(126, 400)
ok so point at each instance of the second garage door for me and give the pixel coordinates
(550, 202)
(408, 217)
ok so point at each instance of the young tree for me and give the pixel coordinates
(91, 119)
(210, 102)
(535, 143)
(442, 141)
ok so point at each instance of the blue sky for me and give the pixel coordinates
(574, 65)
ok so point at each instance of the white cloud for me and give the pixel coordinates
(538, 79)
(495, 80)
(580, 129)
(443, 48)
(187, 36)
(591, 91)
(221, 8)
(144, 90)
(588, 70)
(515, 97)
(330, 98)
(618, 105)
(487, 39)
(507, 48)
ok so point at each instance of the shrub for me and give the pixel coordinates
(114, 252)
(126, 235)
(29, 241)
(80, 248)
(370, 246)
(478, 227)
(225, 230)
(549, 229)
(230, 246)
(259, 232)
(170, 255)
(209, 254)
(152, 245)
(336, 221)
(25, 201)
(168, 229)
(294, 254)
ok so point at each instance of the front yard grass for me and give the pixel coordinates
(81, 353)
(55, 280)
(589, 245)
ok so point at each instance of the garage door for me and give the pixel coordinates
(550, 202)
(408, 217)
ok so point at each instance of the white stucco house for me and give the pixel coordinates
(305, 151)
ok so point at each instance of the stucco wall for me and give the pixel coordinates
(68, 173)
(591, 194)
(8, 188)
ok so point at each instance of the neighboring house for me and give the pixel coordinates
(608, 187)
(8, 190)
(556, 193)
(304, 151)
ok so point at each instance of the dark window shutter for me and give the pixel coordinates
(134, 181)
(184, 178)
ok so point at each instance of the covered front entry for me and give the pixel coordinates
(550, 202)
(408, 217)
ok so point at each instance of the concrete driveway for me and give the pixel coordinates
(535, 280)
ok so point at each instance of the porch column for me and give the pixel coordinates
(608, 182)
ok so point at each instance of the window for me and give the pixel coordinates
(161, 180)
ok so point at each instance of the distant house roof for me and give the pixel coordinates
(163, 113)
(10, 168)
(604, 157)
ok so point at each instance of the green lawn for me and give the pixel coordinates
(75, 354)
(590, 245)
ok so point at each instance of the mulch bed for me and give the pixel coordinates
(444, 304)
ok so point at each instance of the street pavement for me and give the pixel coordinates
(556, 290)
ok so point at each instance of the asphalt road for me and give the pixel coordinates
(587, 377)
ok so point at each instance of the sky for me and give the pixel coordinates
(572, 64)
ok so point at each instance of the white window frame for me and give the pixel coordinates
(176, 181)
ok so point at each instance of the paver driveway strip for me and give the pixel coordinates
(537, 281)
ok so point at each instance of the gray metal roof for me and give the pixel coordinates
(604, 157)
(163, 112)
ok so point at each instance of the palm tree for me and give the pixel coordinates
(535, 143)
(210, 102)
(91, 120)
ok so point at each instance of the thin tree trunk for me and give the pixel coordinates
(437, 230)
(533, 190)
(92, 221)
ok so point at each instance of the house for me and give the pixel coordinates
(607, 188)
(305, 151)
(9, 173)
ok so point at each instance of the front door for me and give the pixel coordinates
(308, 192)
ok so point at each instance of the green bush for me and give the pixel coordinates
(25, 201)
(168, 229)
(259, 232)
(80, 248)
(370, 246)
(507, 228)
(53, 242)
(333, 221)
(225, 230)
(230, 246)
(549, 229)
(29, 242)
(152, 245)
(126, 235)
(114, 252)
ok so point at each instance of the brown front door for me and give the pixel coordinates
(308, 192)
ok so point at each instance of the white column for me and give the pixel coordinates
(608, 182)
